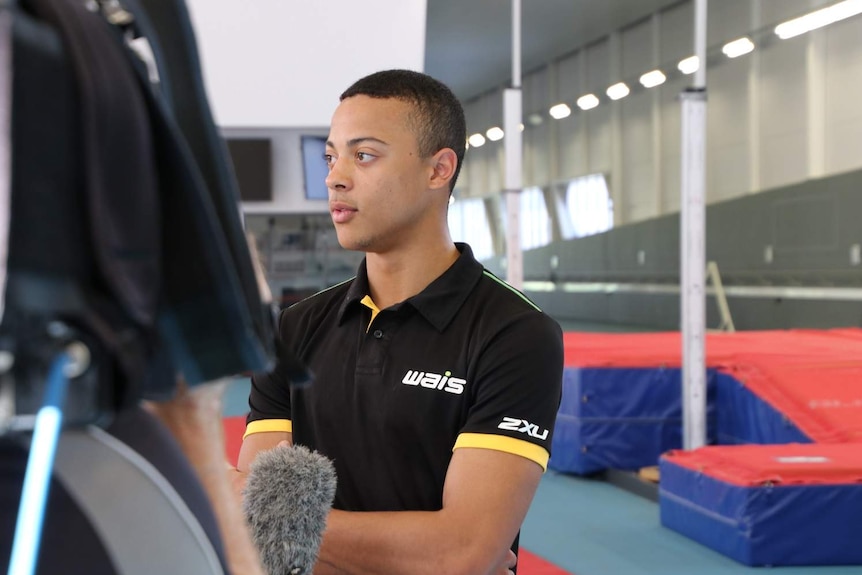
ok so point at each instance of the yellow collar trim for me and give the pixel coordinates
(369, 303)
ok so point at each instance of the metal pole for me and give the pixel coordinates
(700, 43)
(693, 244)
(513, 154)
(37, 475)
(516, 43)
(5, 142)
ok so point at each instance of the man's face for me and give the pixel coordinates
(378, 184)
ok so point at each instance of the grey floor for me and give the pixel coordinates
(590, 527)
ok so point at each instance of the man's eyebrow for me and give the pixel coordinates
(357, 141)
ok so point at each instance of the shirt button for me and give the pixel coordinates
(378, 333)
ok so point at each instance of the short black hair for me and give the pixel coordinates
(439, 118)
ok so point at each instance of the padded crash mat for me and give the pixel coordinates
(621, 405)
(768, 504)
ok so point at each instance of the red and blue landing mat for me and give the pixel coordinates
(768, 504)
(622, 407)
(619, 418)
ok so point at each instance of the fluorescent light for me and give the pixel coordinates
(494, 134)
(521, 126)
(588, 102)
(653, 79)
(476, 140)
(689, 65)
(535, 119)
(618, 91)
(818, 19)
(560, 111)
(738, 47)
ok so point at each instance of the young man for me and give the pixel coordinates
(435, 385)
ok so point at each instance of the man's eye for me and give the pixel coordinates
(364, 156)
(328, 159)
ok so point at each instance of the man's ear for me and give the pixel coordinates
(443, 165)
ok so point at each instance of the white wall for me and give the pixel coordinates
(787, 112)
(275, 68)
(283, 63)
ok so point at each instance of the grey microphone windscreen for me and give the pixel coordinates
(287, 498)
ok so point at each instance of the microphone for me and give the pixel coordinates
(286, 500)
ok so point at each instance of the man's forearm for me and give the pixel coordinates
(406, 542)
(470, 535)
(376, 543)
(241, 553)
(194, 419)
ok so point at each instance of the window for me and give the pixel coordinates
(535, 221)
(468, 223)
(589, 208)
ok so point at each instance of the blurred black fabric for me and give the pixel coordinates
(125, 219)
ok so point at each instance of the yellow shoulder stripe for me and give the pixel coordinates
(263, 425)
(520, 447)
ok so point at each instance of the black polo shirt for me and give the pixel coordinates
(468, 362)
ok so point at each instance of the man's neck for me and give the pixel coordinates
(395, 277)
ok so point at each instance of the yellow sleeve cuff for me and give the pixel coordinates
(520, 447)
(263, 425)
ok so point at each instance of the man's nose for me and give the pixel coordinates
(339, 176)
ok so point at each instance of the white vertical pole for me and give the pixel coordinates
(5, 143)
(693, 244)
(619, 195)
(513, 154)
(516, 43)
(656, 111)
(754, 140)
(700, 43)
(815, 59)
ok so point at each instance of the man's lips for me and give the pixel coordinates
(341, 212)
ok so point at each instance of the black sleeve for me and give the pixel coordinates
(270, 391)
(519, 388)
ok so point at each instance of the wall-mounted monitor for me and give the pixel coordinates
(314, 167)
(252, 164)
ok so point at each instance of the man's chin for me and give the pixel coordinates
(354, 244)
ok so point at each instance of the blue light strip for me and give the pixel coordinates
(34, 497)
